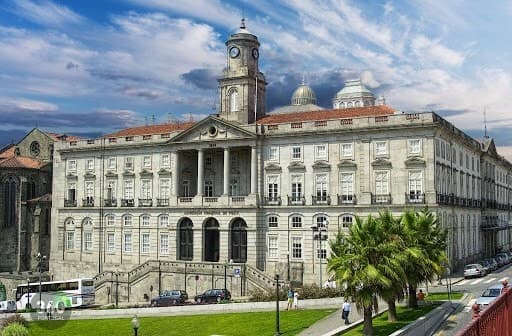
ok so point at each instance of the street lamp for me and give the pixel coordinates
(40, 258)
(276, 278)
(225, 277)
(135, 325)
(320, 236)
(117, 289)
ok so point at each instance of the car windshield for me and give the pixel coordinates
(470, 266)
(491, 292)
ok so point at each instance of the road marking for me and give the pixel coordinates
(463, 282)
(490, 280)
(467, 308)
(503, 279)
(477, 281)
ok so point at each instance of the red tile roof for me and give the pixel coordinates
(152, 129)
(21, 162)
(7, 151)
(59, 136)
(356, 112)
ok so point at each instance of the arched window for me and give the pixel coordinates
(296, 221)
(233, 101)
(144, 220)
(110, 220)
(87, 222)
(10, 202)
(346, 220)
(239, 240)
(69, 223)
(321, 221)
(186, 239)
(127, 220)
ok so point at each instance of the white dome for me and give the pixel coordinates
(303, 95)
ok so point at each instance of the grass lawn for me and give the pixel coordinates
(246, 324)
(443, 296)
(382, 327)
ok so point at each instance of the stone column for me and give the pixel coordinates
(254, 178)
(175, 177)
(226, 171)
(200, 171)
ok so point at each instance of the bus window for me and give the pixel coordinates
(87, 283)
(72, 285)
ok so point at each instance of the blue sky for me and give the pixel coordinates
(92, 67)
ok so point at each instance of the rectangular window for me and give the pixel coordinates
(347, 151)
(321, 253)
(296, 187)
(144, 220)
(381, 148)
(128, 189)
(127, 220)
(321, 152)
(186, 188)
(164, 244)
(296, 222)
(346, 221)
(88, 241)
(382, 182)
(234, 186)
(296, 153)
(89, 190)
(127, 242)
(145, 189)
(145, 243)
(165, 161)
(273, 153)
(414, 146)
(415, 183)
(163, 221)
(111, 242)
(128, 163)
(321, 186)
(297, 247)
(71, 191)
(347, 186)
(111, 190)
(208, 162)
(110, 220)
(273, 246)
(146, 162)
(272, 221)
(164, 188)
(208, 188)
(112, 163)
(70, 240)
(273, 186)
(89, 164)
(72, 166)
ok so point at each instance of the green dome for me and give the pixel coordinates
(303, 95)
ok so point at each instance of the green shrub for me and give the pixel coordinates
(16, 318)
(305, 292)
(15, 329)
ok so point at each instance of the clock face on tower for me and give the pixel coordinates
(255, 53)
(234, 52)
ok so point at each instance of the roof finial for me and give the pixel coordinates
(485, 122)
(242, 24)
(303, 79)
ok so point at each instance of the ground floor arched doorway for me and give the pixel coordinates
(238, 240)
(211, 240)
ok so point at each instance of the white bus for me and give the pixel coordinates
(60, 294)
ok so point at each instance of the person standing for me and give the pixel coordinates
(290, 299)
(345, 311)
(296, 300)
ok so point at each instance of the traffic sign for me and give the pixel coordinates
(236, 272)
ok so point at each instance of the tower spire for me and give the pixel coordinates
(485, 122)
(242, 24)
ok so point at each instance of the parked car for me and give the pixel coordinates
(503, 256)
(170, 298)
(493, 263)
(213, 295)
(486, 265)
(489, 295)
(7, 306)
(473, 270)
(500, 260)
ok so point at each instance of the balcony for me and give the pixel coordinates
(145, 202)
(127, 202)
(237, 200)
(274, 200)
(347, 199)
(321, 200)
(415, 198)
(186, 200)
(88, 201)
(296, 200)
(381, 199)
(69, 203)
(209, 200)
(162, 202)
(440, 199)
(112, 202)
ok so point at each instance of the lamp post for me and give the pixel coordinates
(117, 289)
(135, 325)
(321, 236)
(278, 332)
(40, 258)
(28, 305)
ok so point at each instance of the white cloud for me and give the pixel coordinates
(430, 51)
(22, 104)
(45, 12)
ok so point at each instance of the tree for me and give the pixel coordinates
(363, 261)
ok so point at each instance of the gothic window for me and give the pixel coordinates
(10, 202)
(35, 149)
(186, 240)
(233, 101)
(239, 240)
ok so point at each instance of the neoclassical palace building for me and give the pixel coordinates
(244, 194)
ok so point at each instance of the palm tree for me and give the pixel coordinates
(427, 239)
(364, 263)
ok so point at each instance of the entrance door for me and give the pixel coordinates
(238, 240)
(211, 240)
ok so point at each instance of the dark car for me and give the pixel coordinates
(170, 298)
(213, 295)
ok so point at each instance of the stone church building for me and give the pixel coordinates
(245, 194)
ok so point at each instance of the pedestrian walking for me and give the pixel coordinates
(345, 311)
(289, 295)
(296, 300)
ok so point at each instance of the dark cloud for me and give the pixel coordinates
(446, 112)
(116, 76)
(205, 79)
(502, 135)
(72, 65)
(10, 136)
(142, 93)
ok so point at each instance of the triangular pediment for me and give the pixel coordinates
(296, 166)
(213, 128)
(273, 167)
(321, 165)
(381, 162)
(415, 162)
(347, 164)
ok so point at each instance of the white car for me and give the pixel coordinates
(473, 270)
(7, 306)
(489, 295)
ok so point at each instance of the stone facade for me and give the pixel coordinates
(159, 205)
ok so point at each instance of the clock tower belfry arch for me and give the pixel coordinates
(242, 86)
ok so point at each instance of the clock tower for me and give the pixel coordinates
(242, 86)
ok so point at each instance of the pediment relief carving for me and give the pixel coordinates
(347, 164)
(128, 173)
(415, 161)
(321, 165)
(273, 167)
(111, 174)
(296, 166)
(163, 171)
(146, 173)
(89, 175)
(71, 176)
(381, 162)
